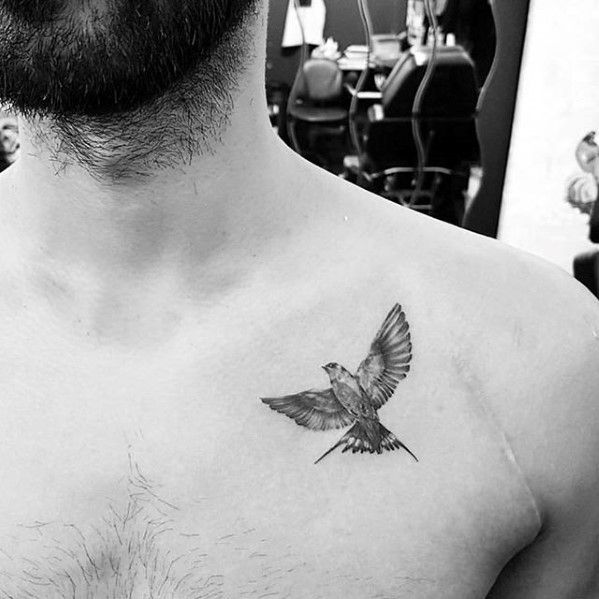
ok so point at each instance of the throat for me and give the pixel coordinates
(126, 263)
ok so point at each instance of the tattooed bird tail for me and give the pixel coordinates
(359, 438)
(390, 442)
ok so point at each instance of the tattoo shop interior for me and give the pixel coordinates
(460, 109)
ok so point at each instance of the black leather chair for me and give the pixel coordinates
(387, 160)
(316, 101)
(586, 270)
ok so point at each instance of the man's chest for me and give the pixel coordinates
(165, 473)
(122, 522)
(126, 480)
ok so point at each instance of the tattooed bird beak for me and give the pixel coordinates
(325, 367)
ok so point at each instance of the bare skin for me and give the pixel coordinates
(142, 322)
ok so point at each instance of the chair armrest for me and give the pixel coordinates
(363, 95)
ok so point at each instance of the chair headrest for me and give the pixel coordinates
(323, 79)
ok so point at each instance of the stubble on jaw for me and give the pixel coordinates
(128, 96)
(186, 122)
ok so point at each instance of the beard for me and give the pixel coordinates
(95, 58)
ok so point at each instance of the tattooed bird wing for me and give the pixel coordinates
(317, 410)
(388, 360)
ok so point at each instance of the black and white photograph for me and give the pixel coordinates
(299, 299)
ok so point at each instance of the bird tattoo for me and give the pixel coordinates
(355, 399)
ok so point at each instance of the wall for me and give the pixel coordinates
(343, 23)
(558, 102)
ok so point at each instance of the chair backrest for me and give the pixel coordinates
(586, 270)
(450, 142)
(452, 91)
(322, 80)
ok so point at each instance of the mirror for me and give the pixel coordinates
(452, 153)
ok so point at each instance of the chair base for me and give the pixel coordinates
(441, 195)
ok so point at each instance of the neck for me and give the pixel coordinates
(144, 241)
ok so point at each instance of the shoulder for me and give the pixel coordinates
(544, 385)
(535, 344)
(535, 332)
(522, 334)
(525, 329)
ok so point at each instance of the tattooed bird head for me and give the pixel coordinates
(334, 370)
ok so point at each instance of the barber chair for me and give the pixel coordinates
(315, 102)
(387, 159)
